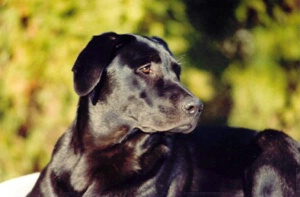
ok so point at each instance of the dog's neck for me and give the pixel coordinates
(117, 152)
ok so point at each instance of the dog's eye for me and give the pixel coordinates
(146, 69)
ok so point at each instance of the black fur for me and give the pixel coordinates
(132, 135)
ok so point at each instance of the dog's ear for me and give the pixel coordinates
(93, 59)
(162, 42)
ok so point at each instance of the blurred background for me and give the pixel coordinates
(241, 57)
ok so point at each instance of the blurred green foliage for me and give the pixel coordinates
(241, 57)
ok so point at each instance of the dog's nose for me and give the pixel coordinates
(192, 106)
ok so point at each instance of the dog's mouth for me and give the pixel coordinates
(186, 128)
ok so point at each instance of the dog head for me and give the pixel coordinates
(134, 81)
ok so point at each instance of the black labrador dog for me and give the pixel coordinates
(132, 135)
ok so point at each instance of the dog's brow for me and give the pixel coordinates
(155, 58)
(148, 58)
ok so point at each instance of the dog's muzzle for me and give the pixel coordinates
(192, 106)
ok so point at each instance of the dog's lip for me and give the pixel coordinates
(186, 128)
(147, 129)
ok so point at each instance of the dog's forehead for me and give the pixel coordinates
(149, 41)
(154, 43)
(143, 50)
